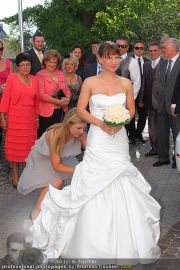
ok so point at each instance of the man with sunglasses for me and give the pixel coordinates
(141, 105)
(129, 69)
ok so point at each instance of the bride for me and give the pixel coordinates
(107, 211)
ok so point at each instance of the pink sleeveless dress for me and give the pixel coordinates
(4, 73)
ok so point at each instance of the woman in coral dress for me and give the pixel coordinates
(18, 109)
(51, 80)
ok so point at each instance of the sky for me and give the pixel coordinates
(10, 7)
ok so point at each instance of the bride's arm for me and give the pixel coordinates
(83, 139)
(129, 97)
(83, 103)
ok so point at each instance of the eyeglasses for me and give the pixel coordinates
(165, 47)
(139, 48)
(25, 65)
(122, 46)
(153, 50)
(1, 49)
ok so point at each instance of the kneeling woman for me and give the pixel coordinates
(52, 159)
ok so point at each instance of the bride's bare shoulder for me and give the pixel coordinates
(125, 83)
(123, 80)
(91, 81)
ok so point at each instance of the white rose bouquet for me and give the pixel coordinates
(116, 115)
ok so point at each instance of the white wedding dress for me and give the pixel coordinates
(107, 211)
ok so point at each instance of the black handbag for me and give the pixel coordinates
(59, 94)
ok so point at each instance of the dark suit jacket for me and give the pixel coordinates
(167, 87)
(150, 87)
(36, 65)
(176, 94)
(140, 91)
(90, 70)
(90, 58)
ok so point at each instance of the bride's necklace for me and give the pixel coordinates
(26, 80)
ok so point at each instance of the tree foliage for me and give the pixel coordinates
(67, 22)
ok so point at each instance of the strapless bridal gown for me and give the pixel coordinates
(107, 211)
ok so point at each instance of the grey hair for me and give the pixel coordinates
(73, 59)
(175, 42)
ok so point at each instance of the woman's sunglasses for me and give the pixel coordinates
(1, 49)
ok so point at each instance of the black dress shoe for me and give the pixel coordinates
(174, 165)
(141, 139)
(161, 163)
(150, 153)
(132, 141)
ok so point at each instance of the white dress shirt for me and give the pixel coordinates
(39, 54)
(141, 60)
(135, 75)
(172, 64)
(155, 62)
(173, 61)
(99, 68)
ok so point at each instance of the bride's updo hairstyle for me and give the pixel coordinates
(108, 48)
(62, 129)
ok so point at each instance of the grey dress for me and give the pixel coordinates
(39, 171)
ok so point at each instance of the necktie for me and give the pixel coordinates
(139, 62)
(168, 71)
(39, 54)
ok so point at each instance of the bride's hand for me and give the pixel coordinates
(110, 130)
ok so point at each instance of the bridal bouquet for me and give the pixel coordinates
(116, 115)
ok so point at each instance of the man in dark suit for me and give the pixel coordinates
(150, 92)
(92, 69)
(91, 56)
(168, 76)
(37, 52)
(141, 105)
(175, 103)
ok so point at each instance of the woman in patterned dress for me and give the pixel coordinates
(74, 81)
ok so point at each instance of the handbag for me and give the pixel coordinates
(59, 94)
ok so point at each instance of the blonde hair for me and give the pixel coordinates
(62, 129)
(71, 58)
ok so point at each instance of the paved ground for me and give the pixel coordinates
(165, 182)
